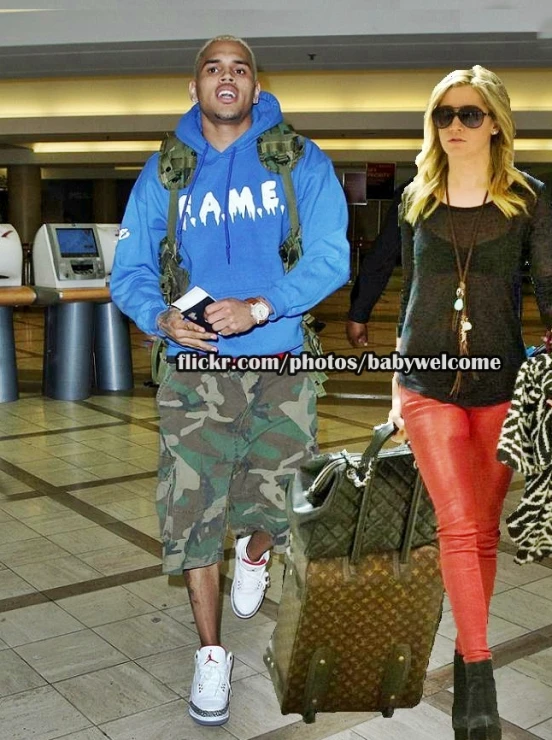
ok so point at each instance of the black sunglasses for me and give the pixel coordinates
(469, 115)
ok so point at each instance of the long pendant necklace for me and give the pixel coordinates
(460, 321)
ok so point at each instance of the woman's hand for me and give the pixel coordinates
(395, 414)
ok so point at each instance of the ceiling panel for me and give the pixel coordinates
(284, 54)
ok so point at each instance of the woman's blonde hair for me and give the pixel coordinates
(428, 187)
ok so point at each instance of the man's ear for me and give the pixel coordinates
(192, 91)
(257, 92)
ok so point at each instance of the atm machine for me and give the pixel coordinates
(86, 342)
(11, 271)
(11, 257)
(68, 256)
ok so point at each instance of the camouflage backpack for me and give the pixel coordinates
(279, 149)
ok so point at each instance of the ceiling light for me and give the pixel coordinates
(62, 147)
(368, 144)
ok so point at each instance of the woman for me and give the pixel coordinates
(469, 222)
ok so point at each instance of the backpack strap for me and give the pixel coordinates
(177, 163)
(280, 149)
(175, 169)
(176, 166)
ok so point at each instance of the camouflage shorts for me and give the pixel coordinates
(229, 443)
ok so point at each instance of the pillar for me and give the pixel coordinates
(24, 200)
(105, 201)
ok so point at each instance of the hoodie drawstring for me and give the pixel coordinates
(180, 226)
(226, 203)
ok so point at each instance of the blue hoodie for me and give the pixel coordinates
(233, 219)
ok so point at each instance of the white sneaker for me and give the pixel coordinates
(250, 582)
(210, 695)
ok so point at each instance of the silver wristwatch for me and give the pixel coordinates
(259, 310)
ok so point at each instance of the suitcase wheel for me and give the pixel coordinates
(309, 716)
(388, 712)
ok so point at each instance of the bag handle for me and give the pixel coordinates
(382, 433)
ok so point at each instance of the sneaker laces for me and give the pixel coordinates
(213, 676)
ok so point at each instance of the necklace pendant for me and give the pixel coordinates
(459, 302)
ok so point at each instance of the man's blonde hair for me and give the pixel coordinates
(225, 37)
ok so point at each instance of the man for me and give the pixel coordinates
(230, 439)
(375, 270)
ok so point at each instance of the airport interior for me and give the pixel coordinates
(94, 641)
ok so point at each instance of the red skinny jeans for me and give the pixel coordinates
(455, 450)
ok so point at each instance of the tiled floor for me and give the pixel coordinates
(96, 643)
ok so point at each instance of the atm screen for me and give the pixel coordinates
(78, 242)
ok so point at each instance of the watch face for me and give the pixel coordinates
(259, 311)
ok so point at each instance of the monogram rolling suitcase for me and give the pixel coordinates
(355, 630)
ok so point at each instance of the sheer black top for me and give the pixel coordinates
(430, 278)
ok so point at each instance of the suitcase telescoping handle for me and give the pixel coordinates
(366, 471)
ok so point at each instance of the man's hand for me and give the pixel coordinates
(356, 334)
(230, 316)
(184, 332)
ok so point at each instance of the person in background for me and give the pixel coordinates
(375, 270)
(230, 439)
(469, 220)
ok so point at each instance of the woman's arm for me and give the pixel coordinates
(407, 249)
(395, 414)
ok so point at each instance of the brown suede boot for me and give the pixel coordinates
(460, 703)
(483, 719)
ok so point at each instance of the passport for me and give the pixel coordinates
(192, 305)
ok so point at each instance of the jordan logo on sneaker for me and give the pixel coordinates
(210, 659)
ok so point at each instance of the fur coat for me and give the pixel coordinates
(525, 444)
